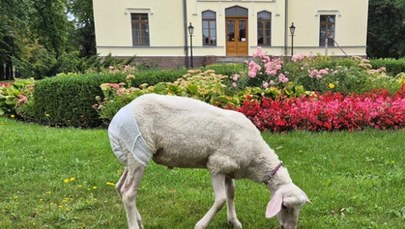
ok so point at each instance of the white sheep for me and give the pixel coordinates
(187, 133)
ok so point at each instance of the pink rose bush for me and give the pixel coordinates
(330, 111)
(264, 70)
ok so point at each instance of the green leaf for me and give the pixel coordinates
(192, 89)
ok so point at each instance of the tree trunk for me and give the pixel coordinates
(9, 70)
(2, 76)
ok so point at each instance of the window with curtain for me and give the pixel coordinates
(209, 28)
(264, 28)
(327, 30)
(140, 29)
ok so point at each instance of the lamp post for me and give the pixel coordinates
(292, 31)
(191, 31)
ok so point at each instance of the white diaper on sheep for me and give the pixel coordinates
(187, 133)
(125, 137)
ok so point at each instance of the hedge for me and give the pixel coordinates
(152, 77)
(226, 69)
(393, 66)
(68, 99)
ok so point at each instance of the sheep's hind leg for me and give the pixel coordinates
(119, 184)
(128, 186)
(231, 211)
(218, 183)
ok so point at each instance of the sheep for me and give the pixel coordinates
(187, 133)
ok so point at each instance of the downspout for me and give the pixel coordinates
(185, 33)
(285, 28)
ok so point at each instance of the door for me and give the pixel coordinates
(236, 37)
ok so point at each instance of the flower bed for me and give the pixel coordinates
(4, 84)
(331, 111)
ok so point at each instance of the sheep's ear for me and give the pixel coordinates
(307, 199)
(274, 206)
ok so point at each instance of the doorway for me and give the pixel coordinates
(236, 21)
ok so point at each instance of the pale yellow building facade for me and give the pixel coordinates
(227, 28)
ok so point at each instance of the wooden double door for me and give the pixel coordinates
(236, 36)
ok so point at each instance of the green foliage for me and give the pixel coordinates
(83, 37)
(15, 95)
(226, 69)
(152, 77)
(51, 24)
(205, 86)
(38, 62)
(345, 75)
(67, 100)
(386, 29)
(14, 21)
(392, 66)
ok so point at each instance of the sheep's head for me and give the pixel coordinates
(286, 204)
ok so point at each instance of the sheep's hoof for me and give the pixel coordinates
(234, 224)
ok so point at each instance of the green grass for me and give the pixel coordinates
(57, 178)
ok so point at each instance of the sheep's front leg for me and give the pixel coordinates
(127, 187)
(218, 183)
(230, 195)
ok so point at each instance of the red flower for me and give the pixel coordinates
(331, 111)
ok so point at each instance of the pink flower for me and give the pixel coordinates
(22, 99)
(234, 84)
(323, 72)
(318, 74)
(265, 85)
(282, 78)
(235, 77)
(298, 57)
(313, 73)
(253, 69)
(121, 91)
(259, 53)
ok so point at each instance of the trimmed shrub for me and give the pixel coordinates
(67, 100)
(392, 66)
(226, 69)
(152, 77)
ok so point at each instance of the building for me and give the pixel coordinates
(157, 31)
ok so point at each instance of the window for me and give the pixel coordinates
(236, 11)
(264, 28)
(327, 30)
(209, 28)
(140, 29)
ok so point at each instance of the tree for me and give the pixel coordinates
(51, 25)
(14, 22)
(386, 28)
(83, 37)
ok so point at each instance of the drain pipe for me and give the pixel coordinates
(185, 33)
(285, 27)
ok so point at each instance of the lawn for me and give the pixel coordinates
(63, 178)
